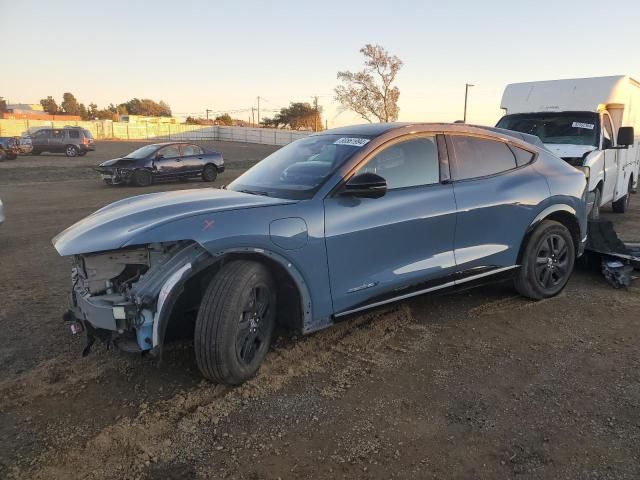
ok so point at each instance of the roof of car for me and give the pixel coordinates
(376, 129)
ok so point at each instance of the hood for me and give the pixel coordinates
(116, 224)
(118, 162)
(564, 150)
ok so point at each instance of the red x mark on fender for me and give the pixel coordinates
(207, 224)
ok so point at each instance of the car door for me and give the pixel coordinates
(56, 140)
(497, 193)
(610, 160)
(396, 245)
(167, 162)
(40, 140)
(192, 159)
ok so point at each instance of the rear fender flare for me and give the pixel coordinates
(559, 207)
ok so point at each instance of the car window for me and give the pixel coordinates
(522, 156)
(57, 133)
(477, 157)
(406, 164)
(41, 134)
(74, 134)
(169, 151)
(191, 150)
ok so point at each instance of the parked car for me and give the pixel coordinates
(327, 226)
(9, 148)
(162, 161)
(72, 141)
(591, 123)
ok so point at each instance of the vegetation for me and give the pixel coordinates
(135, 106)
(369, 92)
(297, 116)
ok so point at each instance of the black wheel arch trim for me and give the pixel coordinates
(543, 215)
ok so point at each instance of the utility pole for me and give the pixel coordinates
(466, 95)
(253, 116)
(258, 110)
(207, 112)
(315, 118)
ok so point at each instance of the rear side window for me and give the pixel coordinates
(522, 156)
(188, 150)
(74, 134)
(477, 157)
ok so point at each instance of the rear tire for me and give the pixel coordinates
(142, 178)
(547, 261)
(235, 322)
(209, 173)
(622, 204)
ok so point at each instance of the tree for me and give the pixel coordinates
(224, 119)
(49, 105)
(369, 92)
(297, 115)
(69, 104)
(3, 105)
(146, 107)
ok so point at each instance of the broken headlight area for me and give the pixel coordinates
(119, 295)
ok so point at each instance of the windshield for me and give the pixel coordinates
(298, 169)
(87, 133)
(572, 128)
(142, 152)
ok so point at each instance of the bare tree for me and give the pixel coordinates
(369, 92)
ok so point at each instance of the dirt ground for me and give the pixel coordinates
(473, 384)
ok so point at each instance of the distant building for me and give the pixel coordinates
(32, 111)
(146, 119)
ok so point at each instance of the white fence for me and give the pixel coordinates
(160, 131)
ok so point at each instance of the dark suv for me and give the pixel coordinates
(72, 141)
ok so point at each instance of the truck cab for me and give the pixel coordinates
(591, 123)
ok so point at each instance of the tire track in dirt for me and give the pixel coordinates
(168, 431)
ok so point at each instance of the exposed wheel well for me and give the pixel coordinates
(182, 321)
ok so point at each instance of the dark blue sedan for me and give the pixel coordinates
(327, 226)
(162, 161)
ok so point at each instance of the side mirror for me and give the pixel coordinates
(625, 136)
(367, 185)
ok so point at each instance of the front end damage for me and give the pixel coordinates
(124, 296)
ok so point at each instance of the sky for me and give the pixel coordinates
(221, 55)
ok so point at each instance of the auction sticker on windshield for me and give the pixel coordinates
(588, 126)
(354, 142)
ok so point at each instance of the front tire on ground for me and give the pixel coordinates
(142, 178)
(209, 173)
(547, 261)
(235, 322)
(622, 204)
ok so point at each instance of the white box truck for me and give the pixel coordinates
(590, 123)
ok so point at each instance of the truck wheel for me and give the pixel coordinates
(235, 322)
(209, 173)
(622, 204)
(594, 214)
(547, 262)
(142, 178)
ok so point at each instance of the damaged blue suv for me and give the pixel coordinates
(327, 226)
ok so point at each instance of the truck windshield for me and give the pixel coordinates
(297, 170)
(571, 128)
